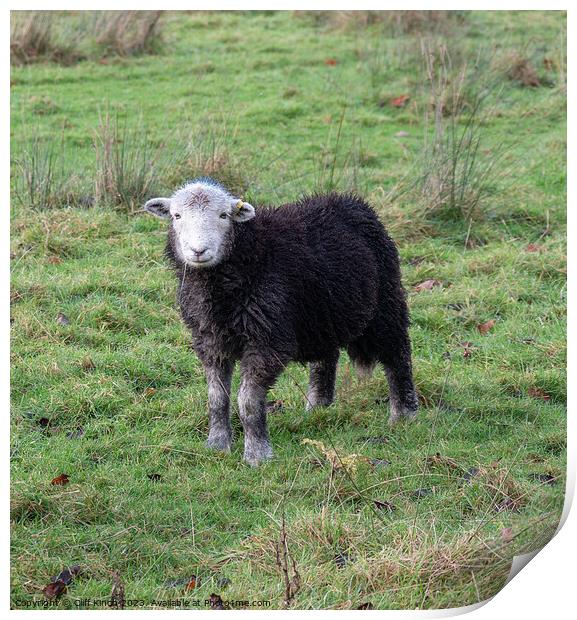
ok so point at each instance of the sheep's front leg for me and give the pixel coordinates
(258, 374)
(219, 377)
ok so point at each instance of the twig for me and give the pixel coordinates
(283, 558)
(117, 598)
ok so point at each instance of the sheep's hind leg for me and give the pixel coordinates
(219, 377)
(258, 373)
(321, 390)
(403, 398)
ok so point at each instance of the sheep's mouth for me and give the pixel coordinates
(197, 262)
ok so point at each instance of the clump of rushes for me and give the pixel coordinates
(127, 33)
(33, 38)
(456, 175)
(67, 37)
(41, 178)
(126, 167)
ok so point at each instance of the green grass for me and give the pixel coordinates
(265, 77)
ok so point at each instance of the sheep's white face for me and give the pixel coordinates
(202, 215)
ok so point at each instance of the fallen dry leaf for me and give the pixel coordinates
(427, 285)
(67, 574)
(368, 605)
(446, 461)
(62, 479)
(54, 260)
(382, 505)
(486, 327)
(193, 582)
(471, 473)
(216, 601)
(400, 102)
(87, 363)
(54, 590)
(62, 319)
(223, 582)
(75, 434)
(347, 462)
(420, 493)
(331, 62)
(149, 392)
(507, 504)
(536, 392)
(544, 478)
(507, 534)
(273, 406)
(341, 559)
(534, 247)
(57, 586)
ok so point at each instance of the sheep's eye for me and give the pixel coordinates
(176, 216)
(223, 216)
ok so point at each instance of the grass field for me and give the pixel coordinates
(106, 388)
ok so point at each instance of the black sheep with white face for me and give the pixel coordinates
(271, 286)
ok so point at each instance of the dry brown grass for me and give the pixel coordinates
(524, 73)
(420, 567)
(399, 22)
(32, 39)
(127, 33)
(66, 38)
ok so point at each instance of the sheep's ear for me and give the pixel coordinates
(159, 207)
(242, 211)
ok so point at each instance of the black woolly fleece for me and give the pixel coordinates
(298, 282)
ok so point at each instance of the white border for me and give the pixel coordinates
(545, 587)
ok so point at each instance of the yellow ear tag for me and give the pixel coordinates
(239, 205)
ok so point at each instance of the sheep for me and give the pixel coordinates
(293, 284)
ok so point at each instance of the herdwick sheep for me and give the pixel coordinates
(269, 286)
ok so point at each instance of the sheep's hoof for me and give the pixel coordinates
(317, 401)
(401, 413)
(219, 442)
(257, 452)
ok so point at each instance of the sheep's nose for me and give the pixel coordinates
(198, 253)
